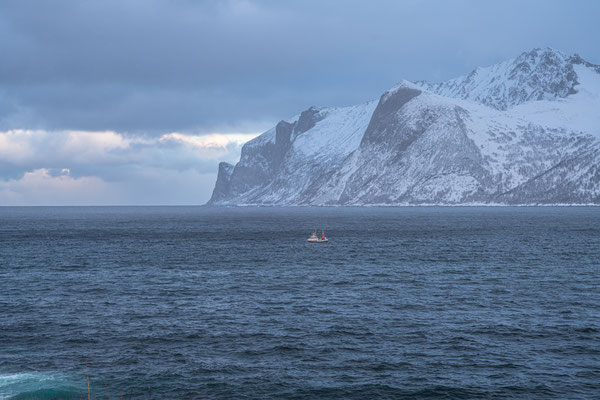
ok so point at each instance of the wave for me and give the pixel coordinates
(35, 385)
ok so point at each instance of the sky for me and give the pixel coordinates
(125, 102)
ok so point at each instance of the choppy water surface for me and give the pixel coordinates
(195, 302)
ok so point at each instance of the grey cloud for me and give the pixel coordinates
(34, 164)
(107, 155)
(157, 65)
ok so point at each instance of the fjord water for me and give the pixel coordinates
(200, 302)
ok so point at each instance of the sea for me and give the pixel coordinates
(233, 303)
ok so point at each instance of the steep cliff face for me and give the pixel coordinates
(526, 131)
(222, 190)
(417, 150)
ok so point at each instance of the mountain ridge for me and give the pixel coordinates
(519, 132)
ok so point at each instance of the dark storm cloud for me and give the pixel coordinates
(163, 65)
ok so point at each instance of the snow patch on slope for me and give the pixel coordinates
(338, 134)
(579, 111)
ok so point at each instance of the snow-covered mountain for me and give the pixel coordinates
(525, 131)
(541, 74)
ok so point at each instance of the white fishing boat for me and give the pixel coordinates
(315, 239)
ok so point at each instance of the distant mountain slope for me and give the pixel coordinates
(525, 131)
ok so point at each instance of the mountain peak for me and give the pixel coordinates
(403, 85)
(538, 74)
(540, 57)
(543, 50)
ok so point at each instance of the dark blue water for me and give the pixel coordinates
(194, 302)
